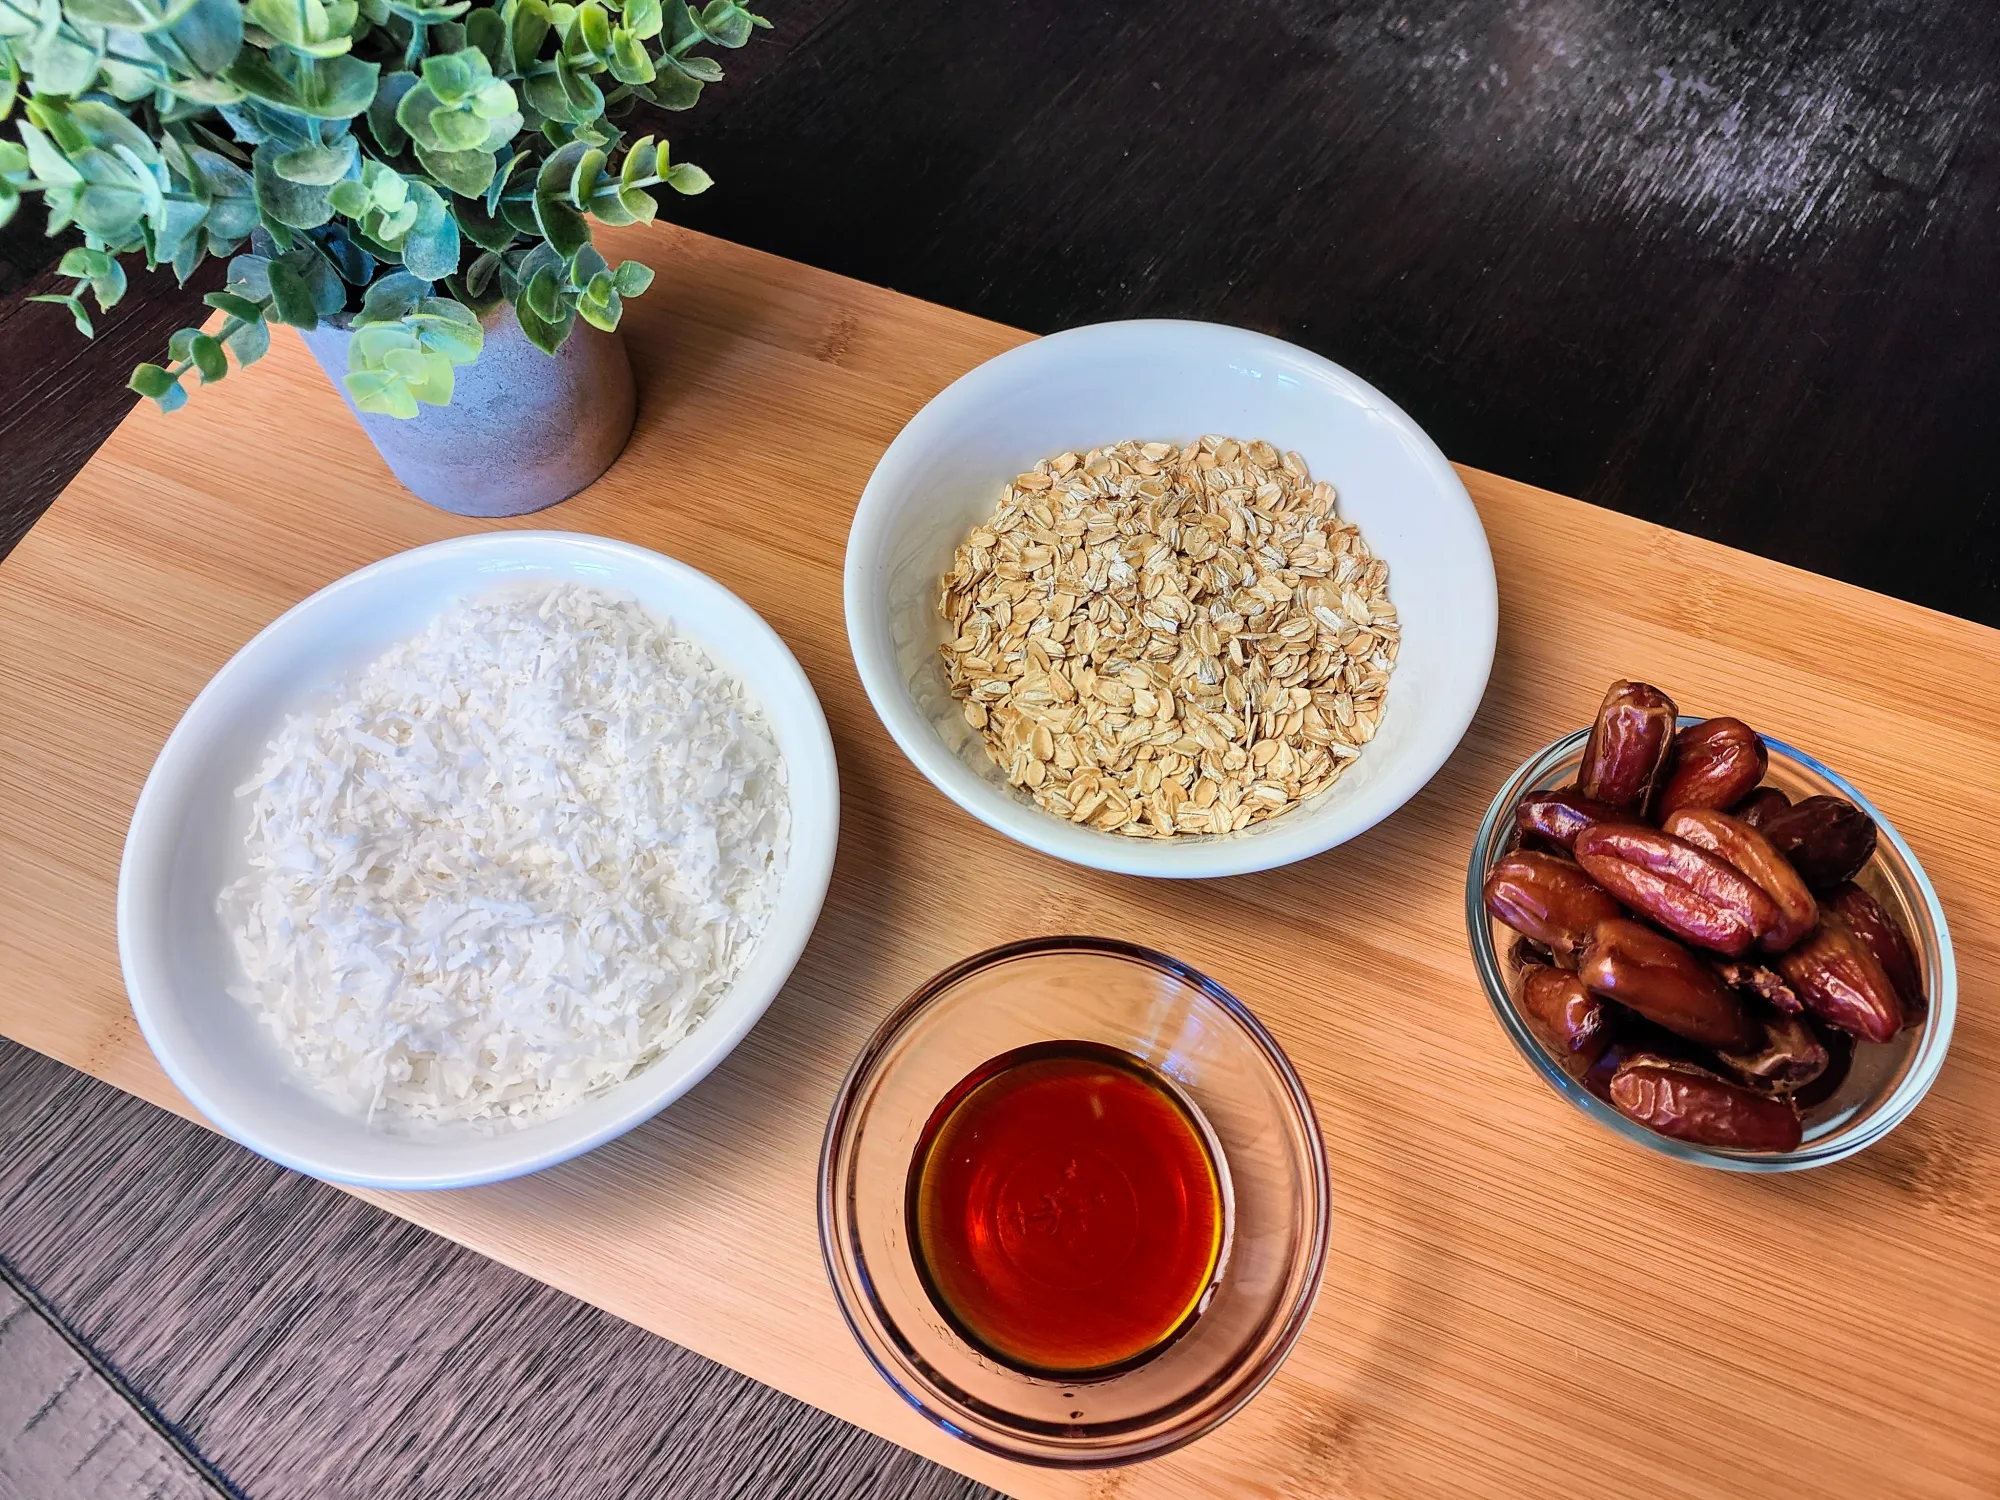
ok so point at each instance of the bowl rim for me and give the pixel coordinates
(1891, 1112)
(1300, 834)
(853, 1286)
(152, 835)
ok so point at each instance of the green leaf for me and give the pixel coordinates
(453, 78)
(585, 98)
(323, 282)
(687, 179)
(508, 168)
(102, 271)
(318, 166)
(429, 377)
(521, 216)
(250, 276)
(380, 392)
(546, 95)
(644, 18)
(630, 62)
(545, 334)
(452, 130)
(126, 15)
(431, 248)
(255, 122)
(449, 328)
(485, 30)
(291, 299)
(543, 294)
(673, 89)
(726, 23)
(527, 28)
(590, 32)
(330, 88)
(75, 306)
(209, 36)
(485, 230)
(601, 309)
(299, 205)
(707, 69)
(151, 382)
(351, 198)
(466, 173)
(382, 122)
(562, 226)
(209, 359)
(354, 264)
(631, 278)
(249, 342)
(390, 298)
(231, 196)
(235, 306)
(482, 273)
(60, 62)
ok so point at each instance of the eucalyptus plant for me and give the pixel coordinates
(399, 165)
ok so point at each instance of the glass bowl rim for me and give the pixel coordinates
(1889, 1113)
(1218, 1401)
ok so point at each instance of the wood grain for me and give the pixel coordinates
(66, 1433)
(1515, 1305)
(307, 1346)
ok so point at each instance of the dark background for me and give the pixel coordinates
(1733, 267)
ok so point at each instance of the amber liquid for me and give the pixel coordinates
(1066, 1210)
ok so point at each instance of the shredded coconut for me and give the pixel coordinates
(514, 862)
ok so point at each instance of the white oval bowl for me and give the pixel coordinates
(186, 842)
(1172, 382)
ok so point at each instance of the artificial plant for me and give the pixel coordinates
(400, 164)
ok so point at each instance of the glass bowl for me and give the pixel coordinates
(1887, 1079)
(1222, 1062)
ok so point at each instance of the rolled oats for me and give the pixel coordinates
(1158, 641)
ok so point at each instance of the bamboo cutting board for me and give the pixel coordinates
(1516, 1304)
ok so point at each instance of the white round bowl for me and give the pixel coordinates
(187, 841)
(1166, 381)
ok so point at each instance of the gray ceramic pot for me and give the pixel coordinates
(524, 429)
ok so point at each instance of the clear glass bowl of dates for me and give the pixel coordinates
(1709, 942)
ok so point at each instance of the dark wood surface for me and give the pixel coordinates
(310, 1347)
(1729, 266)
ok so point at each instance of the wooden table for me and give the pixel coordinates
(1515, 1305)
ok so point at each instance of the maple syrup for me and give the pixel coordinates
(1066, 1209)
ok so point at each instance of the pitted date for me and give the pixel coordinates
(1628, 962)
(1883, 936)
(1790, 1057)
(1766, 984)
(1570, 1021)
(1841, 982)
(1693, 1105)
(1560, 816)
(1746, 850)
(1714, 764)
(1692, 948)
(1526, 952)
(1839, 1063)
(1548, 899)
(1626, 754)
(1686, 890)
(1761, 806)
(1827, 839)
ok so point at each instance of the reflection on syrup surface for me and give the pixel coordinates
(1066, 1211)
